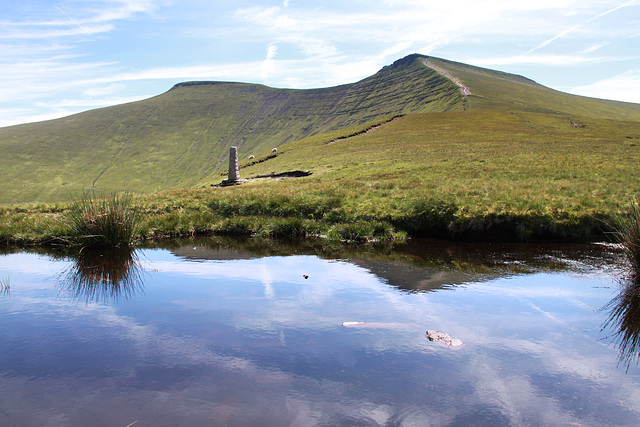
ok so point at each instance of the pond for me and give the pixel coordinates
(264, 333)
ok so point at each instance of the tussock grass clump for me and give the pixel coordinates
(235, 227)
(293, 228)
(428, 217)
(624, 309)
(103, 222)
(628, 235)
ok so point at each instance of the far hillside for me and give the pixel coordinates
(183, 136)
(180, 139)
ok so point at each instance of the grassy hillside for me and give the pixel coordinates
(521, 162)
(463, 175)
(503, 91)
(182, 136)
(531, 171)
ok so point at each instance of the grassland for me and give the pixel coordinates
(182, 137)
(512, 175)
(521, 162)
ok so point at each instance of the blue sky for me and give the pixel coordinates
(62, 57)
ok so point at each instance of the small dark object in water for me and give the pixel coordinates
(305, 276)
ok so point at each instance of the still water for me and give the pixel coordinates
(257, 333)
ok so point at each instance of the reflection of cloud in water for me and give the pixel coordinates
(267, 280)
(31, 264)
(206, 382)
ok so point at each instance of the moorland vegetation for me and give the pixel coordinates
(520, 162)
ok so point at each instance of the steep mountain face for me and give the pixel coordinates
(182, 136)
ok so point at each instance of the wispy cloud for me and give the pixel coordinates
(267, 65)
(79, 25)
(20, 32)
(575, 27)
(551, 60)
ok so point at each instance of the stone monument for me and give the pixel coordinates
(234, 169)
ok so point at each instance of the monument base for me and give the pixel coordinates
(230, 182)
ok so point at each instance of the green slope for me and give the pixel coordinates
(182, 136)
(496, 90)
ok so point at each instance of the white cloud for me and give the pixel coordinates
(17, 32)
(593, 48)
(553, 60)
(82, 104)
(622, 87)
(123, 9)
(267, 65)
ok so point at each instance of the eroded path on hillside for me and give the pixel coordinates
(464, 88)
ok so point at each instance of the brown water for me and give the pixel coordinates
(233, 333)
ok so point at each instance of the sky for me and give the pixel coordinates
(60, 57)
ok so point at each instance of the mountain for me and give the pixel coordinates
(497, 90)
(181, 138)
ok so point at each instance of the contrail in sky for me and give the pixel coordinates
(565, 32)
(82, 27)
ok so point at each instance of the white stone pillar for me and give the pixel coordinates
(234, 168)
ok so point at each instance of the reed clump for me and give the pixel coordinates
(628, 235)
(110, 221)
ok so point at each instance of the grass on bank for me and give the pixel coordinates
(624, 309)
(628, 235)
(102, 221)
(463, 175)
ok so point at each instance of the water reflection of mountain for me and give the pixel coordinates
(102, 275)
(418, 264)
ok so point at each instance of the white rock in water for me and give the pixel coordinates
(352, 323)
(444, 338)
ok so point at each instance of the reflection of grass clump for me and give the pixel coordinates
(103, 274)
(624, 319)
(103, 222)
